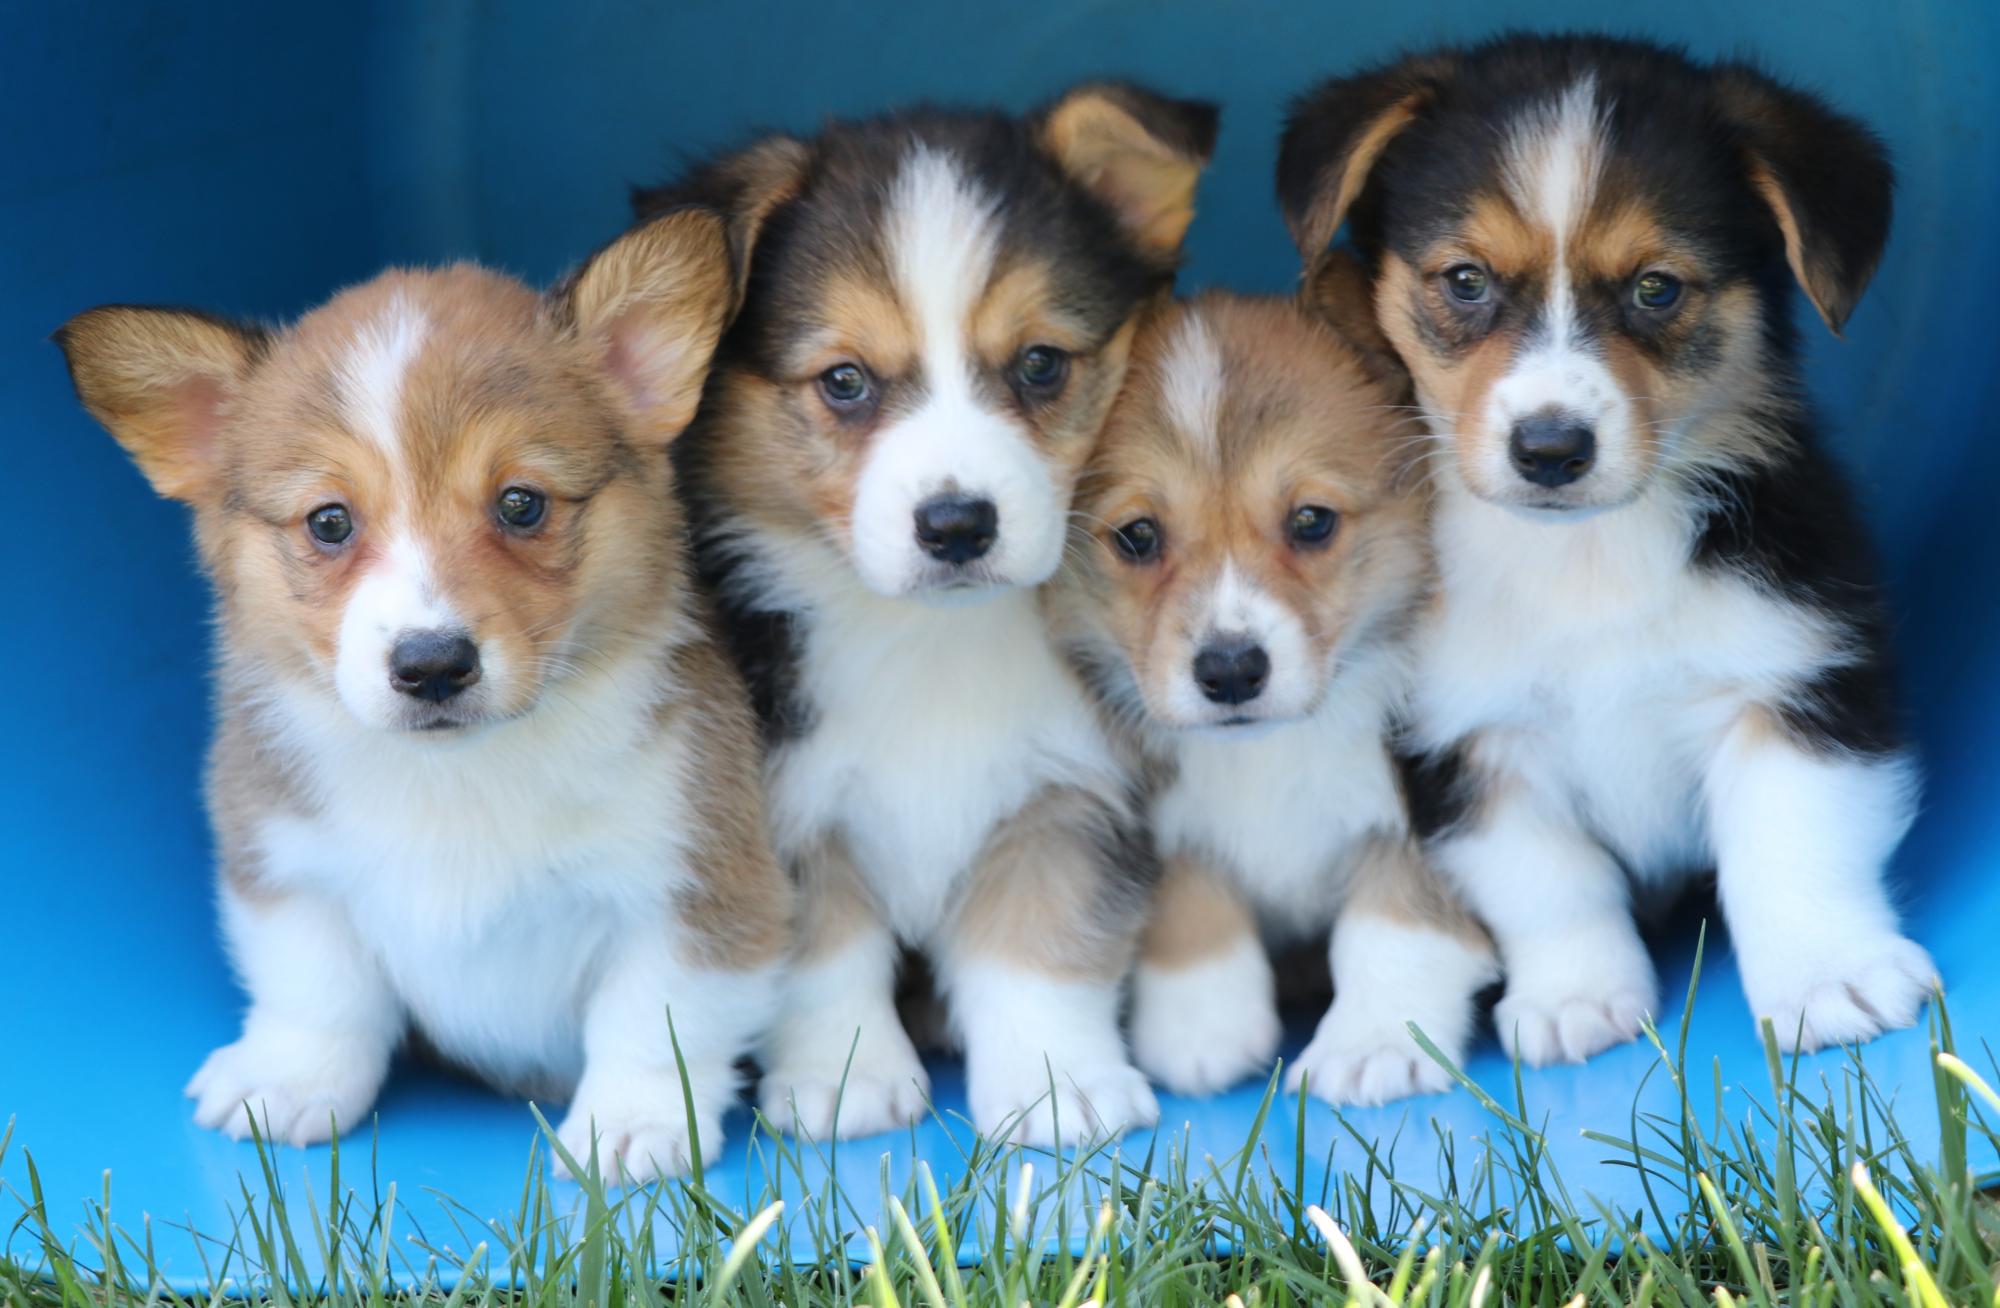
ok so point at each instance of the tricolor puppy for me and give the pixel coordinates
(937, 313)
(479, 770)
(1659, 647)
(1246, 608)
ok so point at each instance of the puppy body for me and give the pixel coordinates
(1245, 613)
(1658, 647)
(937, 310)
(528, 847)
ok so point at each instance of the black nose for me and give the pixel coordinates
(957, 528)
(1232, 672)
(433, 665)
(1552, 448)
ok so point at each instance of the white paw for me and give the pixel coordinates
(301, 1085)
(1200, 1029)
(640, 1123)
(1567, 1000)
(1852, 991)
(1367, 1059)
(811, 1088)
(1088, 1103)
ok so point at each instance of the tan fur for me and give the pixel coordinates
(1339, 190)
(1197, 915)
(1393, 881)
(1100, 143)
(834, 901)
(1821, 285)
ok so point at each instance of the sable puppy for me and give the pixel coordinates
(1245, 610)
(1659, 646)
(937, 309)
(479, 767)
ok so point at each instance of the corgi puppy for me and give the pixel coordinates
(480, 770)
(1245, 608)
(1659, 647)
(937, 311)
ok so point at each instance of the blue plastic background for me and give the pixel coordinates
(251, 158)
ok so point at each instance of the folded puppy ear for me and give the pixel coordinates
(654, 303)
(1334, 135)
(159, 380)
(1826, 179)
(1139, 152)
(1342, 295)
(746, 188)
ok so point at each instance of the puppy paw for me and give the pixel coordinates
(301, 1086)
(1851, 991)
(814, 1090)
(640, 1124)
(1200, 1029)
(1565, 1002)
(1087, 1104)
(1364, 1059)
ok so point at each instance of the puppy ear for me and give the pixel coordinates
(654, 303)
(1139, 152)
(159, 380)
(1826, 178)
(746, 188)
(1335, 134)
(1342, 295)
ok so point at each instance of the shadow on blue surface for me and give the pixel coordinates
(253, 158)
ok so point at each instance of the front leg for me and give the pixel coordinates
(1031, 967)
(1578, 976)
(1204, 1003)
(1403, 951)
(1802, 841)
(322, 1023)
(838, 1063)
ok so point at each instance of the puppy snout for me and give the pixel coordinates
(1232, 671)
(957, 528)
(1552, 448)
(433, 665)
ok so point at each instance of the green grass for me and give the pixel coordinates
(1808, 1199)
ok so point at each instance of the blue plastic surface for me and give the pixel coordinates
(252, 158)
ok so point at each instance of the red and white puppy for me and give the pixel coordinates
(479, 769)
(1245, 610)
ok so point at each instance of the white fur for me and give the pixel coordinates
(371, 376)
(1235, 606)
(1044, 1063)
(1603, 683)
(941, 236)
(510, 891)
(394, 597)
(1386, 976)
(840, 1061)
(1202, 1028)
(1191, 382)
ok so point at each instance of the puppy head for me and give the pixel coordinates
(1580, 247)
(439, 493)
(937, 312)
(1254, 531)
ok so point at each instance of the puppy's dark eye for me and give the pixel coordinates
(1467, 282)
(521, 508)
(1138, 540)
(330, 524)
(1656, 290)
(845, 386)
(1042, 367)
(1313, 524)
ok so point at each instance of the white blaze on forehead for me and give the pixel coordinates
(1190, 372)
(943, 234)
(1554, 157)
(371, 376)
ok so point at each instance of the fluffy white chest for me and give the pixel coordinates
(1594, 662)
(930, 727)
(1280, 808)
(487, 876)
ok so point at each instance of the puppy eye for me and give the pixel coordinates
(1138, 540)
(1313, 524)
(521, 508)
(1656, 290)
(845, 387)
(1042, 367)
(330, 524)
(1467, 282)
